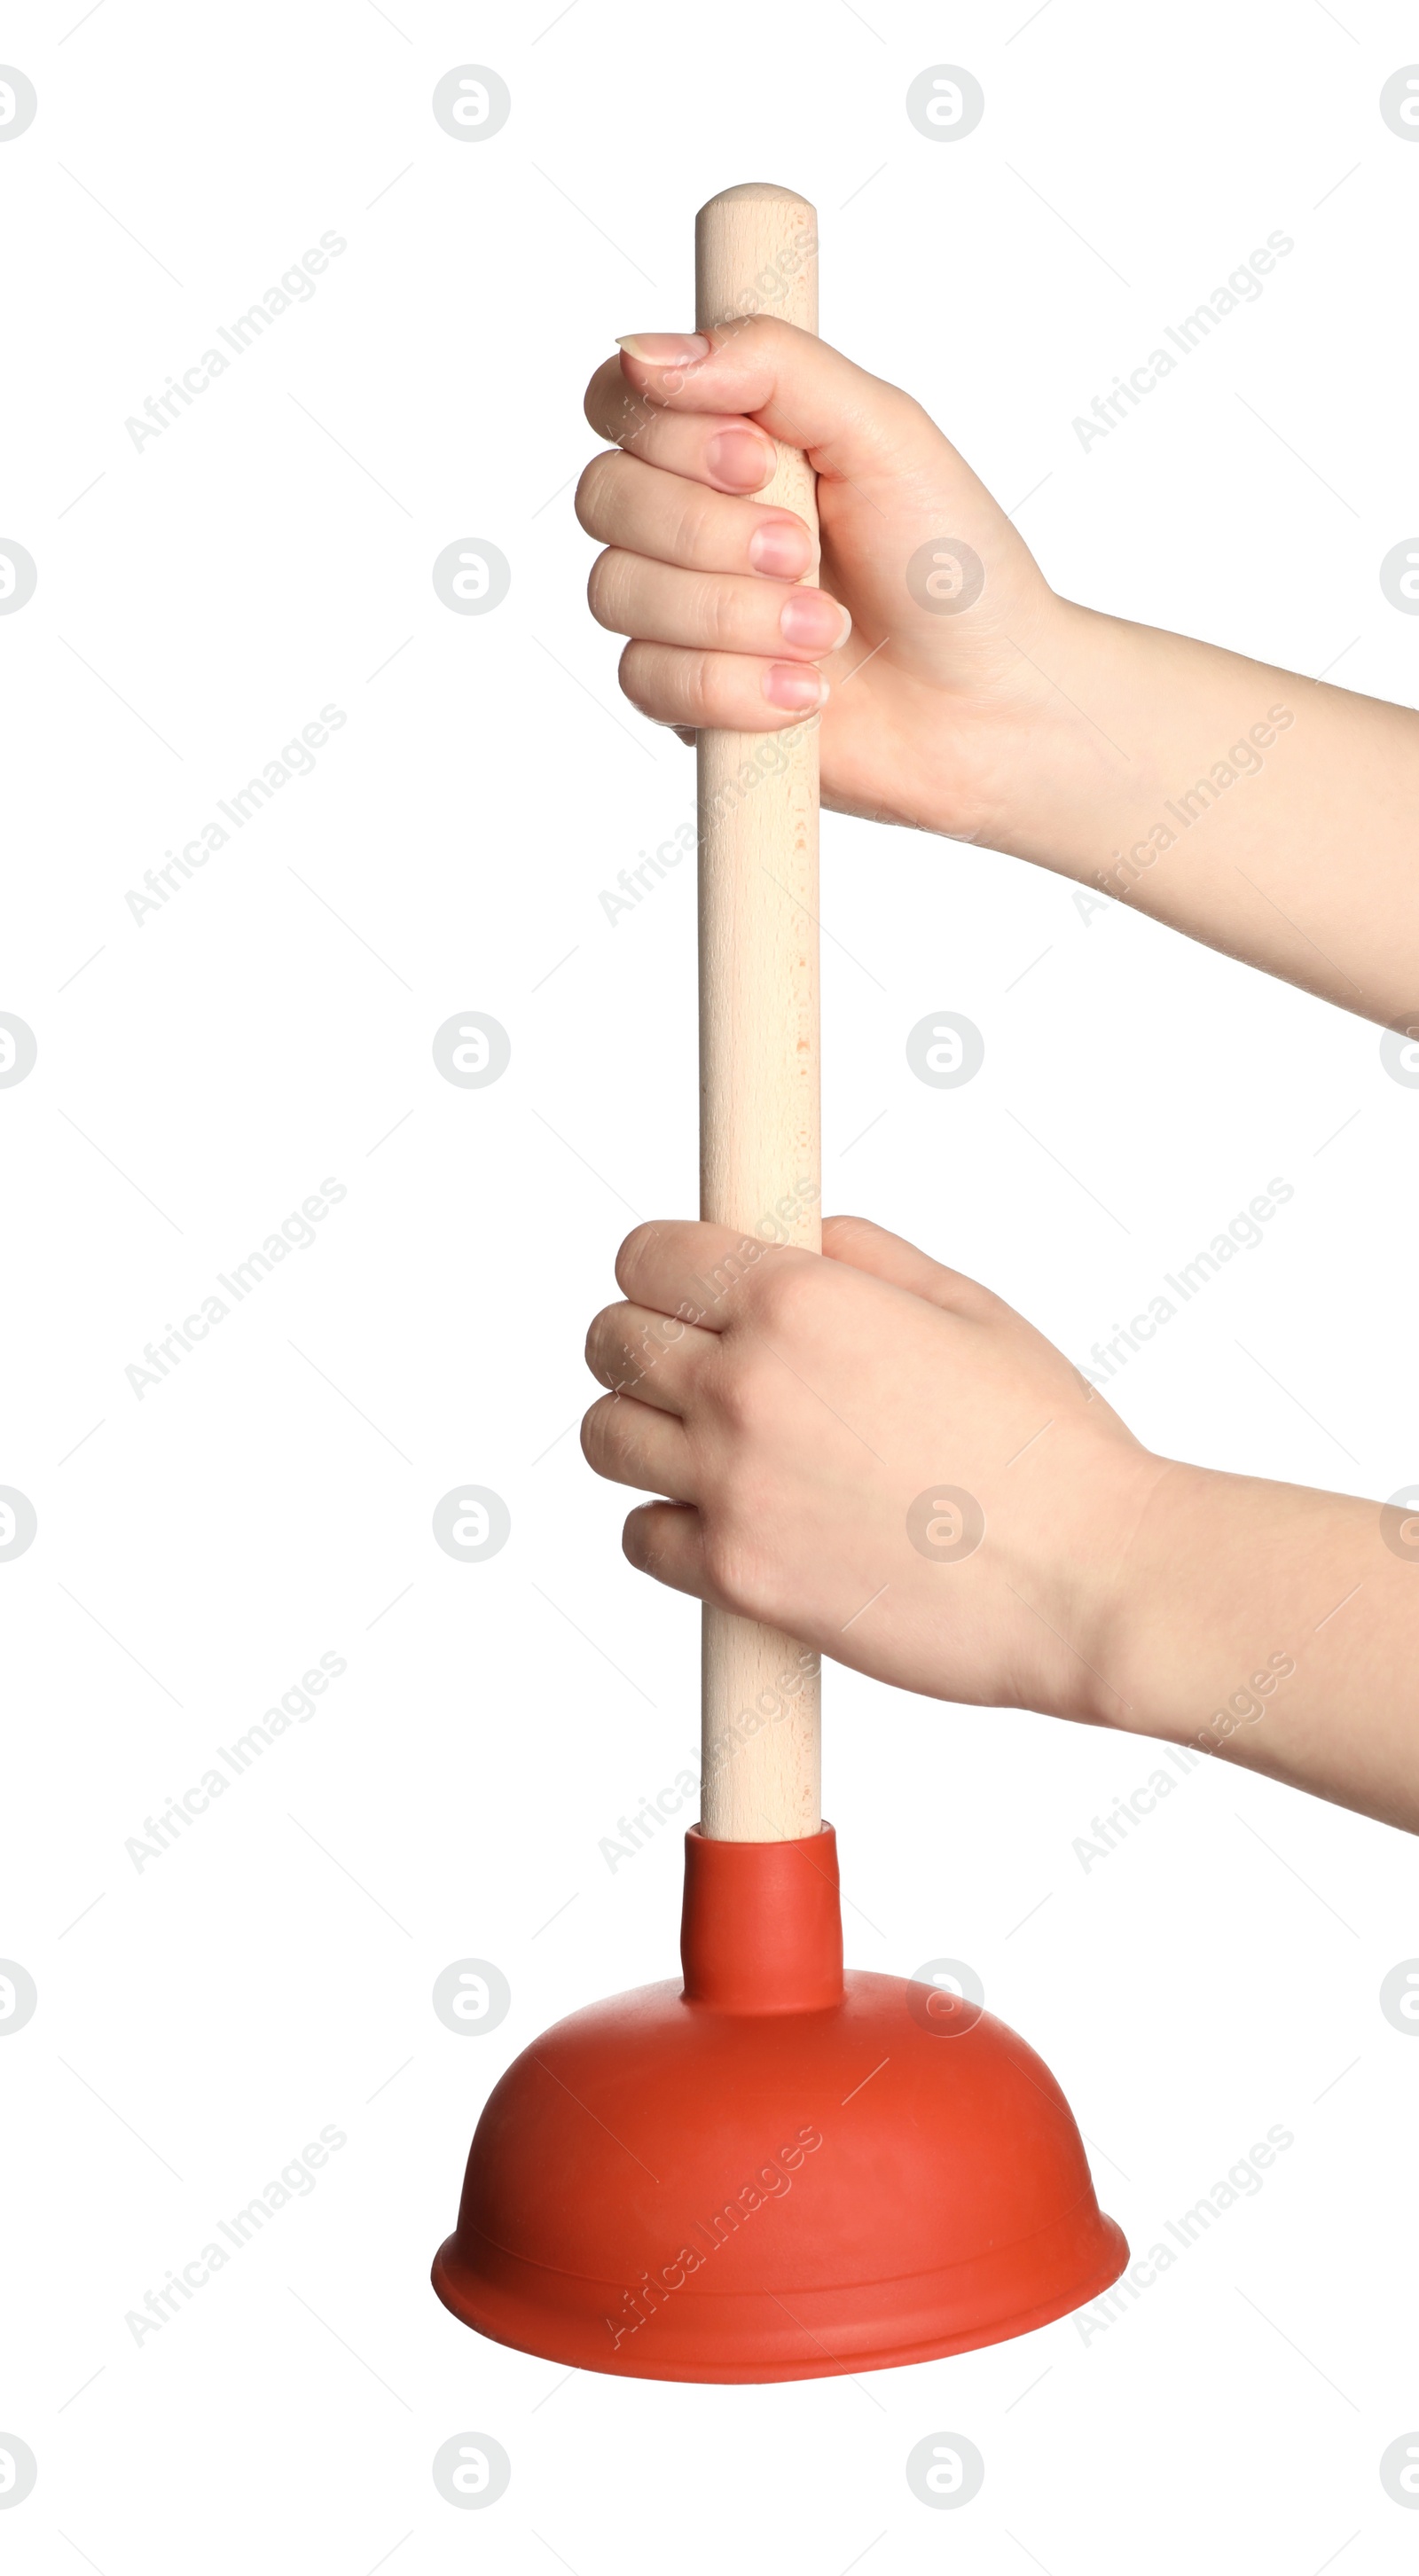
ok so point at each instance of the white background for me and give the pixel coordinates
(197, 1076)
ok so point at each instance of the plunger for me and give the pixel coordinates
(775, 2169)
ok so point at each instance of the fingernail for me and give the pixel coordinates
(811, 618)
(780, 546)
(787, 684)
(738, 456)
(666, 348)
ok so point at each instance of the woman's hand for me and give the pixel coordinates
(879, 1457)
(930, 686)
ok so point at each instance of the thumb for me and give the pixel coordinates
(856, 1241)
(801, 390)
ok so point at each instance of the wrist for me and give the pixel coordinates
(1144, 1644)
(1026, 761)
(1086, 782)
(1117, 1568)
(1212, 1607)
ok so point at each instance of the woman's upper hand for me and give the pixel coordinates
(928, 642)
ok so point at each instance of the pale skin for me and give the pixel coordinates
(786, 1409)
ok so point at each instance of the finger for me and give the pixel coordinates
(725, 451)
(627, 503)
(798, 388)
(687, 689)
(654, 1358)
(865, 1246)
(704, 1272)
(667, 1541)
(632, 1444)
(659, 604)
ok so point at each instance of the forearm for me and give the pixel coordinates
(1271, 816)
(1278, 1627)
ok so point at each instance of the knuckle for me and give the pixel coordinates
(639, 1246)
(664, 681)
(618, 1431)
(700, 686)
(610, 1438)
(786, 1293)
(849, 1229)
(635, 676)
(757, 331)
(910, 419)
(637, 1546)
(687, 686)
(691, 532)
(611, 405)
(717, 614)
(595, 489)
(605, 1347)
(606, 589)
(709, 682)
(737, 1572)
(591, 1435)
(646, 1539)
(744, 1389)
(680, 684)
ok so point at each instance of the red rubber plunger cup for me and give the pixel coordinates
(775, 2171)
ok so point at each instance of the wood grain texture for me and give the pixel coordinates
(756, 252)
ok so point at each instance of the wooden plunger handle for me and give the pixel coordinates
(756, 251)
